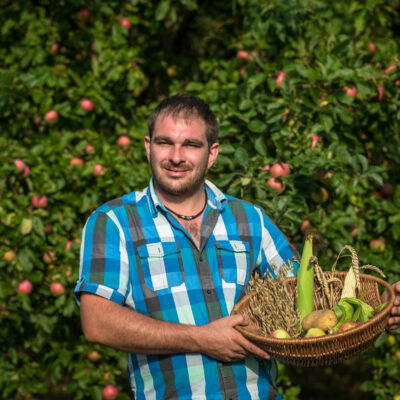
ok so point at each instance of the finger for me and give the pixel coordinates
(395, 311)
(393, 323)
(253, 349)
(396, 287)
(236, 319)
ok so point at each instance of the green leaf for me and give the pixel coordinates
(25, 259)
(245, 105)
(37, 226)
(162, 10)
(257, 126)
(194, 87)
(256, 80)
(260, 146)
(326, 121)
(396, 196)
(190, 4)
(361, 21)
(241, 156)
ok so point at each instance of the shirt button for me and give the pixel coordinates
(208, 291)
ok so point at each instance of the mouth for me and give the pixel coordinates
(173, 172)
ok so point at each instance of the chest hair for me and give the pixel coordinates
(194, 229)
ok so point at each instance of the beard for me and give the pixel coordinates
(180, 186)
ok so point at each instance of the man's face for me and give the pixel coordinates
(179, 155)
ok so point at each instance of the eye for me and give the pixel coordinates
(194, 145)
(162, 142)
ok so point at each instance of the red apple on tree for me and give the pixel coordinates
(88, 149)
(381, 93)
(43, 201)
(387, 190)
(372, 47)
(35, 201)
(54, 48)
(377, 245)
(110, 392)
(49, 257)
(8, 255)
(266, 167)
(315, 140)
(56, 288)
(305, 225)
(351, 91)
(243, 55)
(125, 23)
(76, 161)
(389, 68)
(94, 356)
(320, 196)
(25, 287)
(123, 141)
(279, 78)
(51, 117)
(87, 105)
(39, 202)
(84, 14)
(98, 170)
(280, 169)
(19, 164)
(276, 184)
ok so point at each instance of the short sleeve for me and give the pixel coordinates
(104, 265)
(275, 249)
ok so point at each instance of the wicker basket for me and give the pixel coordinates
(329, 349)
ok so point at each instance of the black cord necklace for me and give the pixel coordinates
(188, 217)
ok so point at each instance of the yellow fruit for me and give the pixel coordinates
(322, 319)
(314, 332)
(390, 340)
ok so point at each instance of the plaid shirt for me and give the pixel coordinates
(135, 253)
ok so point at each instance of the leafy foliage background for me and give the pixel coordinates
(324, 48)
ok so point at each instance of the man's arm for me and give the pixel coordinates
(108, 323)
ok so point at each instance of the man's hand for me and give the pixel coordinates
(221, 341)
(394, 320)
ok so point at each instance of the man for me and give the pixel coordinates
(161, 269)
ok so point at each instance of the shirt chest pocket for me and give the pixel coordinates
(234, 260)
(161, 265)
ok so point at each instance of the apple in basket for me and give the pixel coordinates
(314, 332)
(347, 325)
(280, 334)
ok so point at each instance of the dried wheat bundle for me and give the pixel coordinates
(271, 305)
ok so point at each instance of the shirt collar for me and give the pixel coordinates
(216, 199)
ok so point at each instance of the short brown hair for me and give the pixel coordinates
(187, 107)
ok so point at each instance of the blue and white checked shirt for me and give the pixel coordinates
(134, 252)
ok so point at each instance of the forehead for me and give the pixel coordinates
(170, 125)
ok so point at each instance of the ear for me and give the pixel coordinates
(214, 149)
(147, 142)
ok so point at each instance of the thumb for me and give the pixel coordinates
(239, 319)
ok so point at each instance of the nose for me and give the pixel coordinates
(176, 155)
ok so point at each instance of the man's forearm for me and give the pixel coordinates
(127, 330)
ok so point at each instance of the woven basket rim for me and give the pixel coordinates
(321, 339)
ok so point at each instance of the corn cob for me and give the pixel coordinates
(305, 280)
(349, 285)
